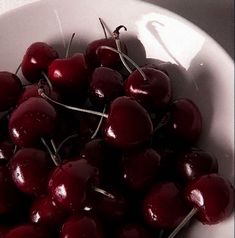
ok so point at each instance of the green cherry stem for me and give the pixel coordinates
(69, 46)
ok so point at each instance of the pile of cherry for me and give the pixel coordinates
(95, 147)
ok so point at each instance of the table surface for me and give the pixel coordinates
(206, 14)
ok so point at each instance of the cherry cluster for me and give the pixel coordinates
(94, 146)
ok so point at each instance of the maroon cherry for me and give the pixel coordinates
(194, 163)
(134, 231)
(164, 207)
(128, 124)
(8, 191)
(69, 74)
(37, 59)
(96, 57)
(10, 90)
(140, 168)
(69, 183)
(213, 196)
(30, 170)
(6, 150)
(106, 85)
(153, 92)
(28, 230)
(32, 91)
(32, 120)
(81, 226)
(185, 121)
(45, 212)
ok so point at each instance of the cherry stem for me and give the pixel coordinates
(18, 69)
(53, 145)
(47, 80)
(116, 34)
(126, 57)
(69, 46)
(105, 27)
(183, 223)
(161, 233)
(15, 149)
(53, 157)
(42, 94)
(103, 192)
(104, 30)
(99, 125)
(64, 141)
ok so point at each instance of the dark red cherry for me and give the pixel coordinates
(3, 230)
(45, 212)
(28, 230)
(30, 170)
(164, 207)
(81, 226)
(32, 91)
(111, 209)
(69, 74)
(213, 196)
(8, 191)
(102, 57)
(128, 124)
(106, 84)
(10, 90)
(140, 168)
(6, 150)
(194, 163)
(33, 119)
(134, 231)
(185, 123)
(37, 59)
(152, 93)
(70, 182)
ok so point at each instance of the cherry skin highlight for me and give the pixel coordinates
(164, 207)
(37, 58)
(32, 120)
(122, 127)
(153, 93)
(10, 90)
(70, 182)
(30, 170)
(213, 196)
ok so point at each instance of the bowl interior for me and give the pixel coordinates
(154, 34)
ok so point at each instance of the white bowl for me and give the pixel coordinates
(153, 32)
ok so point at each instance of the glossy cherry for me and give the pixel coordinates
(96, 57)
(10, 90)
(213, 196)
(81, 226)
(106, 84)
(141, 168)
(30, 170)
(164, 207)
(6, 150)
(134, 230)
(32, 120)
(32, 91)
(28, 230)
(185, 124)
(69, 74)
(128, 124)
(37, 59)
(8, 191)
(70, 182)
(194, 163)
(154, 92)
(45, 212)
